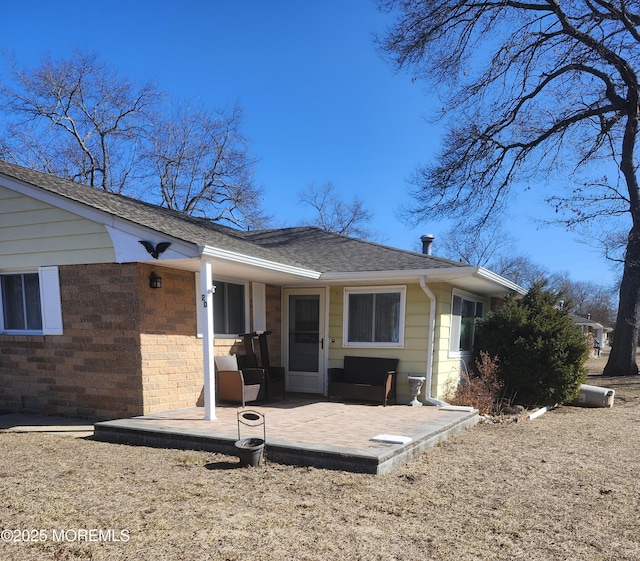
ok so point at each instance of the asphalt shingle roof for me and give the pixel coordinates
(305, 247)
(329, 252)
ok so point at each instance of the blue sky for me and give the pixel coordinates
(320, 104)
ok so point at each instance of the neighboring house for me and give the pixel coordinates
(83, 333)
(596, 333)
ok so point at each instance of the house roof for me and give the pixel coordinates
(303, 248)
(177, 225)
(331, 253)
(588, 322)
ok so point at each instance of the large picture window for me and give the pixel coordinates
(374, 317)
(464, 312)
(229, 308)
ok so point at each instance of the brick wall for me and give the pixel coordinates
(274, 323)
(126, 349)
(92, 370)
(171, 354)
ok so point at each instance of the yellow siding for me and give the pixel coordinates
(446, 370)
(413, 357)
(34, 234)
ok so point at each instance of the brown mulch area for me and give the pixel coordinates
(562, 486)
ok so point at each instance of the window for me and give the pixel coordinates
(464, 312)
(30, 302)
(229, 308)
(374, 317)
(21, 302)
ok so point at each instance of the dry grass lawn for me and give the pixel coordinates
(563, 486)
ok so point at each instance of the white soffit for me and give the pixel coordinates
(126, 243)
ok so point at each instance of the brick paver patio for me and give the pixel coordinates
(329, 434)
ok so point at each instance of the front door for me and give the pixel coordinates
(304, 340)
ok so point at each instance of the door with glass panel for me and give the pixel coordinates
(304, 340)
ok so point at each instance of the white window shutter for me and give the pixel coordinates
(50, 302)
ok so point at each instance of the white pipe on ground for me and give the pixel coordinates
(539, 412)
(430, 344)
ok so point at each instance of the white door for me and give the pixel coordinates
(304, 340)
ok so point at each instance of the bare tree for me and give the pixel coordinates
(521, 269)
(588, 298)
(558, 89)
(77, 119)
(493, 248)
(334, 214)
(201, 163)
(477, 247)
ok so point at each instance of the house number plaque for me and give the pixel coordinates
(203, 297)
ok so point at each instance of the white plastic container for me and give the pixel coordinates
(595, 396)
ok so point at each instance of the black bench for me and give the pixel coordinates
(364, 379)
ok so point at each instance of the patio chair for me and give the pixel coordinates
(274, 374)
(239, 386)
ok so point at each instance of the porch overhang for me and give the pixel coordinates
(243, 262)
(221, 262)
(238, 266)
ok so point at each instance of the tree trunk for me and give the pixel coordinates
(622, 360)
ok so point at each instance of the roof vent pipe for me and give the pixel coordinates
(427, 240)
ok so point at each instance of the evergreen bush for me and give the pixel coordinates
(541, 351)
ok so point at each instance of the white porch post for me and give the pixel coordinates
(206, 301)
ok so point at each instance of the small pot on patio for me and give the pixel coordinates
(249, 451)
(415, 385)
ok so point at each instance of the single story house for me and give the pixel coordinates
(112, 307)
(596, 333)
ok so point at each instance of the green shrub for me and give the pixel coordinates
(541, 351)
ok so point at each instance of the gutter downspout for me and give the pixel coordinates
(430, 344)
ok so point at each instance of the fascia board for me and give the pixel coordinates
(493, 277)
(444, 274)
(371, 276)
(218, 253)
(407, 274)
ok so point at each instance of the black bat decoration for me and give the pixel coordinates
(157, 250)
